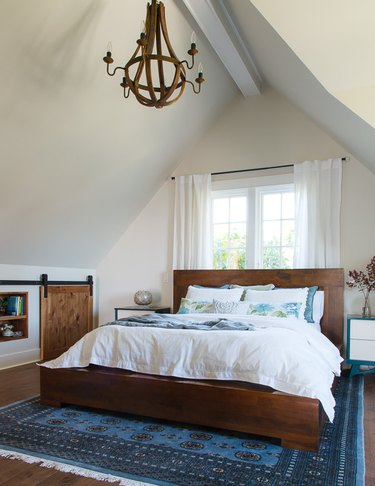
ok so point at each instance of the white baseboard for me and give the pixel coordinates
(20, 358)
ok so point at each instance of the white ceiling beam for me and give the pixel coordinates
(227, 43)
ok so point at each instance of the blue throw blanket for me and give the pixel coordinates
(167, 321)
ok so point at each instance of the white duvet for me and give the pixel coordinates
(285, 354)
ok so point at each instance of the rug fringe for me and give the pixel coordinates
(78, 471)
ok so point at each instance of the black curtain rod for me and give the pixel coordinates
(251, 170)
(257, 168)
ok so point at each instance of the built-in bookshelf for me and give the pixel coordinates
(14, 311)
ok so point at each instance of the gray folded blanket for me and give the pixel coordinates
(167, 321)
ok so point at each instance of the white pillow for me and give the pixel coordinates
(252, 287)
(209, 294)
(230, 307)
(279, 296)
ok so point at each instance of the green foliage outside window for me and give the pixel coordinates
(233, 256)
(273, 256)
(276, 224)
(230, 252)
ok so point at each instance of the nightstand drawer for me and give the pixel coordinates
(362, 329)
(362, 350)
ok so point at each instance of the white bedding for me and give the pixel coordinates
(285, 354)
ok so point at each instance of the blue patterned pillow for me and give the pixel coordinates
(306, 311)
(188, 306)
(288, 309)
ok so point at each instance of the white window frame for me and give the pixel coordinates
(259, 191)
(251, 187)
(230, 193)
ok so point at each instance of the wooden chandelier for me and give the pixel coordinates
(156, 79)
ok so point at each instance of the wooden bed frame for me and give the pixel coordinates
(237, 406)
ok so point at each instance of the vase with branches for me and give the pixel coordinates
(365, 282)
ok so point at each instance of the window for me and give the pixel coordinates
(229, 231)
(276, 227)
(253, 227)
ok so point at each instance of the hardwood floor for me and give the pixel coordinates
(23, 382)
(18, 384)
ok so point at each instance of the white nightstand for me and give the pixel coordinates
(361, 343)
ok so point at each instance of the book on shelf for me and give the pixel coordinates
(15, 305)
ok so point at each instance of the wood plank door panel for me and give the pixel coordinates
(66, 314)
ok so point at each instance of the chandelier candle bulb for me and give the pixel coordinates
(123, 84)
(142, 38)
(193, 39)
(200, 79)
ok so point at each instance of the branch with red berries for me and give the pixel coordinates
(363, 280)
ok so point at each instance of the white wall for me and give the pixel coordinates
(254, 132)
(141, 259)
(14, 353)
(357, 227)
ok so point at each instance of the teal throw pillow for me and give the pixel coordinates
(188, 306)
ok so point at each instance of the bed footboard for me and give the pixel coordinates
(237, 406)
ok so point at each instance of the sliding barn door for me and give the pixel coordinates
(66, 314)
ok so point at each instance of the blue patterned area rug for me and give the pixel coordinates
(134, 450)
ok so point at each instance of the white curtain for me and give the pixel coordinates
(192, 222)
(318, 200)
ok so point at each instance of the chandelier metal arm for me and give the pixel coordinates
(187, 64)
(193, 85)
(114, 71)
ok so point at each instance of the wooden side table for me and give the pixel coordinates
(143, 308)
(361, 343)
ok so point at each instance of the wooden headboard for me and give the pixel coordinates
(331, 280)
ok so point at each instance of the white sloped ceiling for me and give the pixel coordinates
(318, 54)
(316, 71)
(78, 162)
